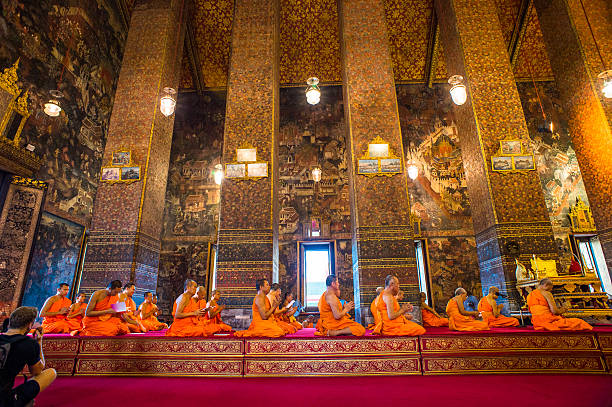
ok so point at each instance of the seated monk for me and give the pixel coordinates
(461, 320)
(546, 315)
(374, 309)
(54, 312)
(275, 293)
(148, 314)
(131, 316)
(263, 323)
(76, 314)
(100, 319)
(287, 311)
(395, 319)
(430, 316)
(187, 314)
(214, 312)
(491, 311)
(200, 297)
(334, 319)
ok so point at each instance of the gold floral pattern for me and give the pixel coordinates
(153, 346)
(332, 346)
(356, 367)
(156, 367)
(523, 363)
(507, 343)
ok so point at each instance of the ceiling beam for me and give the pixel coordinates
(194, 57)
(518, 32)
(431, 58)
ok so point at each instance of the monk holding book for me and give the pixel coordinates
(130, 316)
(187, 314)
(148, 314)
(263, 323)
(101, 319)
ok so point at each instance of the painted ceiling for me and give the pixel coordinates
(310, 45)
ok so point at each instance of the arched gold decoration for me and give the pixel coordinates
(17, 112)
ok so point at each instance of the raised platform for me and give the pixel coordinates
(439, 351)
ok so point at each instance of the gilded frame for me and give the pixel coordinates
(18, 104)
(367, 160)
(246, 164)
(506, 152)
(119, 169)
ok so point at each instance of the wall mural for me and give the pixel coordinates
(312, 136)
(439, 194)
(54, 258)
(556, 160)
(191, 214)
(84, 39)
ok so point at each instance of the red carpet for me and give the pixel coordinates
(464, 391)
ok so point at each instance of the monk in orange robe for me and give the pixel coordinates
(214, 312)
(76, 314)
(100, 318)
(374, 309)
(187, 313)
(148, 314)
(461, 320)
(430, 316)
(395, 318)
(54, 312)
(263, 323)
(286, 312)
(130, 317)
(200, 297)
(275, 295)
(491, 311)
(546, 315)
(334, 319)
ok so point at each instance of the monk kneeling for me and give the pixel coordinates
(187, 314)
(458, 318)
(430, 316)
(76, 314)
(54, 312)
(393, 317)
(546, 315)
(130, 317)
(334, 319)
(491, 311)
(100, 318)
(148, 314)
(263, 323)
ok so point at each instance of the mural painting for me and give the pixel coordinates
(309, 137)
(83, 45)
(439, 196)
(191, 214)
(556, 160)
(54, 259)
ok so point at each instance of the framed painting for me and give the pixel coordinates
(524, 162)
(257, 170)
(130, 173)
(110, 174)
(121, 158)
(235, 170)
(390, 165)
(500, 163)
(511, 147)
(246, 154)
(367, 166)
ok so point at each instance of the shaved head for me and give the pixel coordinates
(493, 289)
(460, 291)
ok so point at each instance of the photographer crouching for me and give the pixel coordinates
(16, 350)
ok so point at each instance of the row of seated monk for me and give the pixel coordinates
(273, 316)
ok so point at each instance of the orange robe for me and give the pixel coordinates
(76, 323)
(190, 326)
(151, 323)
(430, 319)
(375, 312)
(399, 326)
(210, 326)
(262, 327)
(57, 324)
(107, 324)
(282, 320)
(327, 321)
(131, 306)
(458, 322)
(216, 320)
(543, 318)
(486, 310)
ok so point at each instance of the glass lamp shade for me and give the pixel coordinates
(167, 102)
(52, 108)
(458, 90)
(218, 174)
(413, 171)
(316, 174)
(607, 83)
(313, 93)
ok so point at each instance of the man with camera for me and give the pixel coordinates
(16, 350)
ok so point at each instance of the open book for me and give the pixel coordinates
(119, 307)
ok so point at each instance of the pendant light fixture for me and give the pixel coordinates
(458, 90)
(313, 92)
(167, 103)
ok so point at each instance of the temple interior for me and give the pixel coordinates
(183, 146)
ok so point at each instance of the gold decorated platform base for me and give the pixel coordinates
(439, 351)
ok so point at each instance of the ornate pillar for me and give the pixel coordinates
(247, 246)
(124, 240)
(575, 61)
(382, 233)
(508, 208)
